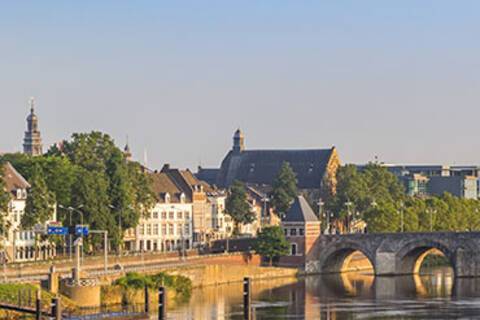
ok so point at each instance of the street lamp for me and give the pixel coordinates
(120, 229)
(70, 210)
(431, 212)
(348, 204)
(402, 226)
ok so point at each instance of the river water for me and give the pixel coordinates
(432, 295)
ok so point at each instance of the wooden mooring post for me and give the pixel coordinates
(38, 306)
(56, 309)
(147, 300)
(246, 299)
(162, 308)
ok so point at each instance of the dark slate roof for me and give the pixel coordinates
(162, 184)
(262, 166)
(208, 175)
(300, 211)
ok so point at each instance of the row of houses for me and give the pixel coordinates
(188, 213)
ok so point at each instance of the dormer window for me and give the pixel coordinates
(19, 193)
(167, 197)
(182, 198)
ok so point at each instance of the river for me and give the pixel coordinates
(432, 295)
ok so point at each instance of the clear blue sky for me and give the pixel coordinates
(398, 79)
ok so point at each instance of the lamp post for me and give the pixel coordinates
(70, 210)
(402, 225)
(265, 199)
(120, 229)
(431, 212)
(348, 204)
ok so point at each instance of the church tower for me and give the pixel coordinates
(238, 141)
(32, 143)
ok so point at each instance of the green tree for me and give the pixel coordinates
(284, 189)
(39, 206)
(113, 191)
(237, 206)
(271, 243)
(40, 201)
(4, 197)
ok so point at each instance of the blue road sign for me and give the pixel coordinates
(81, 230)
(55, 230)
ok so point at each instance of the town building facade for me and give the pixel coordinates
(168, 226)
(302, 230)
(19, 244)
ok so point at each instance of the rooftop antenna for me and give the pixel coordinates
(145, 158)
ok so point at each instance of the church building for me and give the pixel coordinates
(314, 168)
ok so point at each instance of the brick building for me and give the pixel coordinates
(302, 229)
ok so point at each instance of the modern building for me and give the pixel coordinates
(32, 143)
(302, 230)
(19, 244)
(168, 226)
(459, 186)
(315, 168)
(425, 180)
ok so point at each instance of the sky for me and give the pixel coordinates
(395, 79)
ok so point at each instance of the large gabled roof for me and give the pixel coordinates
(13, 179)
(262, 166)
(300, 211)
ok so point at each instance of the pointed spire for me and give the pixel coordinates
(31, 102)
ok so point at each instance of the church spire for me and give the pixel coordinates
(127, 152)
(32, 143)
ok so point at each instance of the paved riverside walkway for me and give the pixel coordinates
(35, 271)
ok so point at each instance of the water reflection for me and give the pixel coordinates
(434, 295)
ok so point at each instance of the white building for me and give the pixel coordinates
(18, 244)
(222, 223)
(168, 226)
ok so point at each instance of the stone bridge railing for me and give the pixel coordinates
(396, 253)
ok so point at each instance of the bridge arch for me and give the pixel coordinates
(335, 257)
(409, 257)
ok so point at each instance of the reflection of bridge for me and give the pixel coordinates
(397, 253)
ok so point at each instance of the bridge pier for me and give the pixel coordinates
(397, 253)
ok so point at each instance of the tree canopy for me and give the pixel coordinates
(271, 243)
(40, 201)
(4, 196)
(90, 171)
(284, 189)
(379, 198)
(237, 206)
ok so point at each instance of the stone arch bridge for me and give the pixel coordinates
(396, 253)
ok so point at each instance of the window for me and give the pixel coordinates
(164, 229)
(187, 229)
(171, 230)
(164, 215)
(171, 215)
(149, 229)
(301, 232)
(155, 215)
(286, 231)
(155, 229)
(293, 249)
(293, 232)
(142, 229)
(187, 215)
(180, 215)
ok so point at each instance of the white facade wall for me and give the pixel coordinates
(168, 227)
(19, 243)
